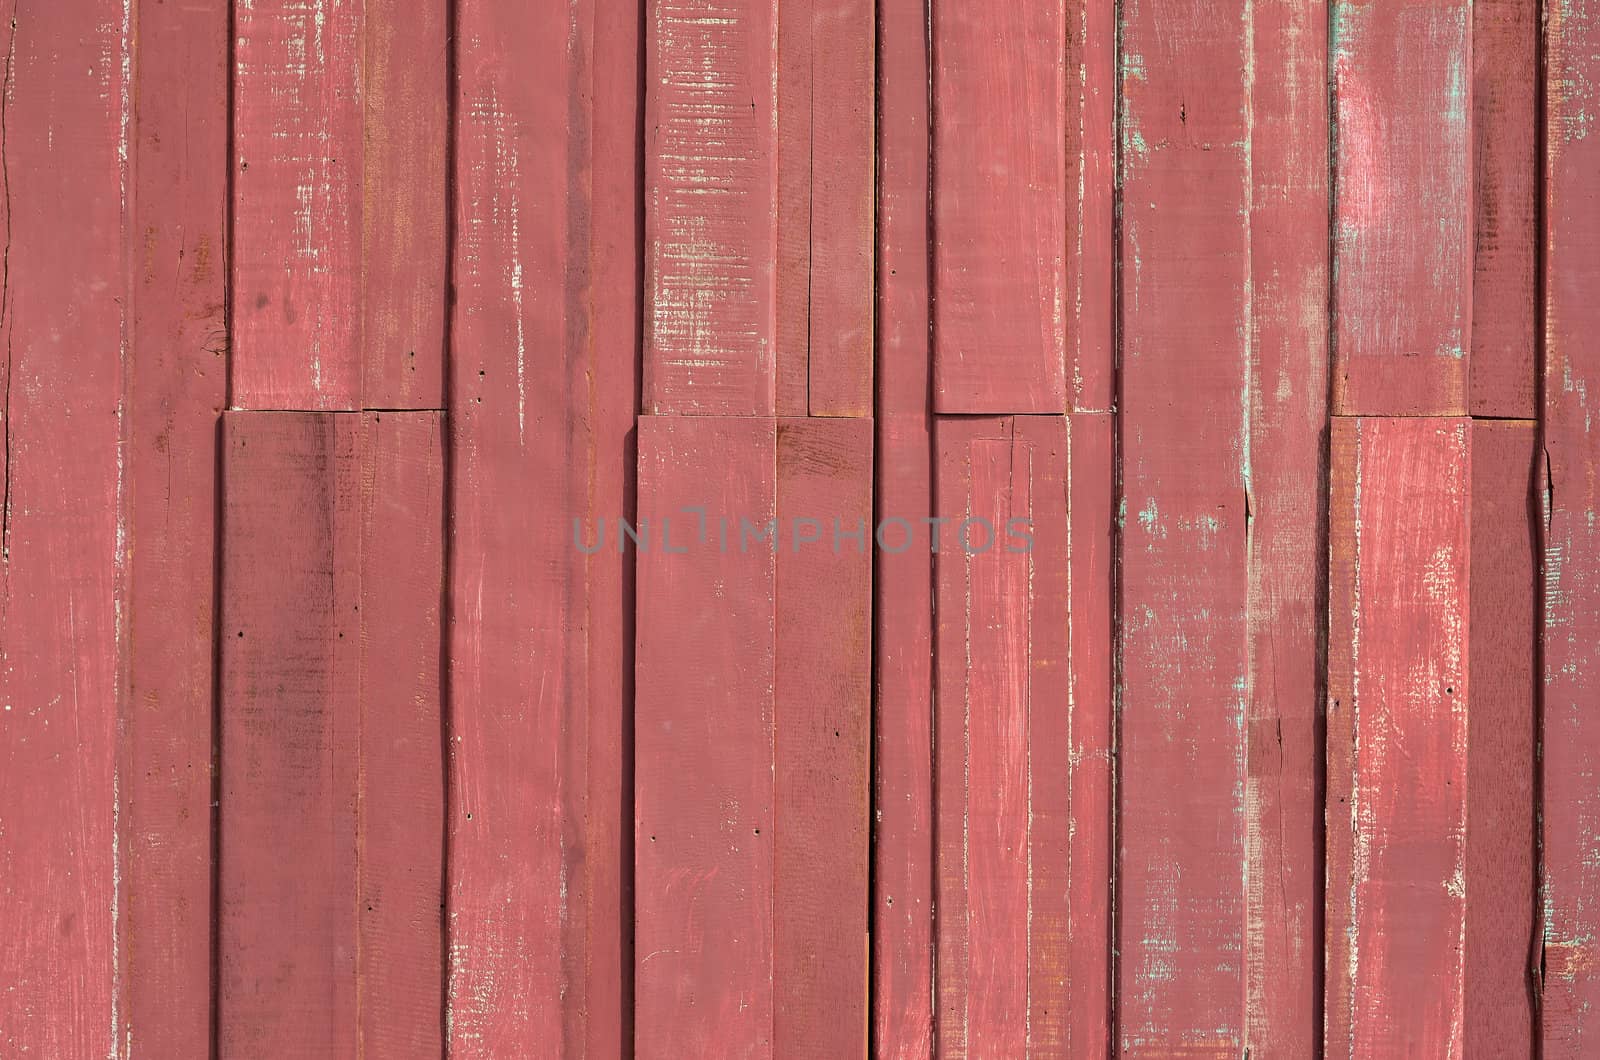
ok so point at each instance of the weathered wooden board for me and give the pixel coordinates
(67, 109)
(1399, 515)
(1503, 372)
(1287, 543)
(902, 897)
(704, 778)
(1403, 207)
(177, 384)
(825, 207)
(711, 180)
(823, 720)
(1002, 732)
(1570, 954)
(999, 240)
(1091, 164)
(1502, 723)
(1183, 642)
(332, 771)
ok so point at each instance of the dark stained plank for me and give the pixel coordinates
(1091, 175)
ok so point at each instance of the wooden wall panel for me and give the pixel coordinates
(1403, 208)
(1184, 448)
(1091, 164)
(1399, 520)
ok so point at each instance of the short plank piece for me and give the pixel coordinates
(1502, 766)
(823, 703)
(999, 207)
(704, 778)
(61, 549)
(1505, 108)
(902, 899)
(1403, 207)
(1183, 638)
(1288, 544)
(1091, 204)
(825, 202)
(1002, 735)
(1569, 957)
(177, 385)
(711, 180)
(1399, 514)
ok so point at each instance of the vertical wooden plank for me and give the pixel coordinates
(1505, 166)
(1184, 449)
(1002, 737)
(711, 216)
(1091, 98)
(823, 709)
(66, 93)
(704, 784)
(825, 203)
(177, 385)
(1570, 637)
(999, 205)
(1502, 855)
(1397, 735)
(902, 912)
(1287, 547)
(1403, 206)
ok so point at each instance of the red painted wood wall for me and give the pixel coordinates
(799, 528)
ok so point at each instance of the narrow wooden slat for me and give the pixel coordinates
(999, 206)
(178, 379)
(902, 911)
(1399, 515)
(711, 219)
(1001, 737)
(823, 701)
(61, 549)
(825, 200)
(1091, 203)
(1403, 208)
(1502, 848)
(704, 784)
(1505, 90)
(1185, 256)
(1288, 546)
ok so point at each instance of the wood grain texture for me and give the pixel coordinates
(1399, 516)
(1184, 444)
(999, 207)
(62, 551)
(1570, 633)
(823, 721)
(704, 778)
(1503, 373)
(1091, 174)
(1502, 764)
(711, 179)
(902, 898)
(1002, 731)
(1288, 545)
(177, 385)
(1403, 208)
(825, 207)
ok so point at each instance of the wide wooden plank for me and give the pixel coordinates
(1091, 175)
(1399, 514)
(1002, 737)
(1403, 207)
(67, 100)
(825, 201)
(1569, 957)
(902, 898)
(1288, 544)
(711, 179)
(1183, 637)
(704, 778)
(823, 701)
(1503, 373)
(1502, 765)
(177, 384)
(999, 207)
